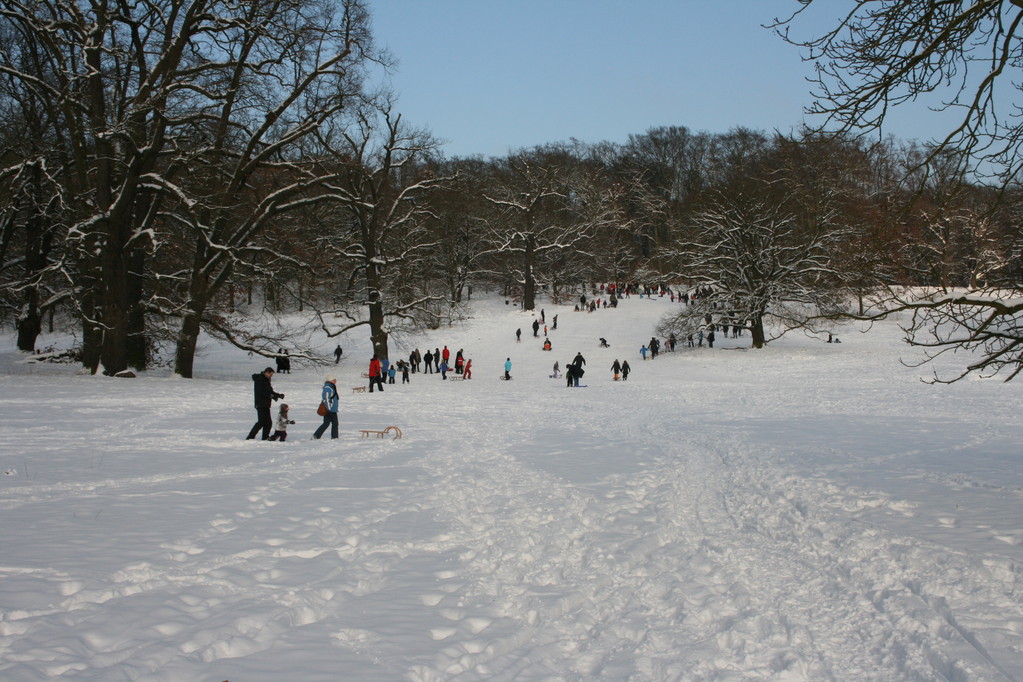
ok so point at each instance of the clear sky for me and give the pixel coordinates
(489, 76)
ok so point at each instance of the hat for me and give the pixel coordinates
(268, 369)
(331, 378)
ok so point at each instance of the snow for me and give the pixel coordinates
(808, 511)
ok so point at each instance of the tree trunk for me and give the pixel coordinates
(528, 284)
(757, 331)
(30, 323)
(188, 339)
(377, 332)
(191, 323)
(115, 299)
(37, 247)
(138, 340)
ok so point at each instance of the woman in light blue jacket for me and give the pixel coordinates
(332, 402)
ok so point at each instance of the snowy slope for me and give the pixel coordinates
(808, 511)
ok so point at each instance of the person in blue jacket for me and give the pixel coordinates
(507, 368)
(332, 401)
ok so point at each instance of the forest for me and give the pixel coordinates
(174, 168)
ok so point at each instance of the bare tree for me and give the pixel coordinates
(258, 157)
(987, 324)
(960, 58)
(751, 257)
(177, 121)
(460, 214)
(956, 56)
(551, 206)
(381, 224)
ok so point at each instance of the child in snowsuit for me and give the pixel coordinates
(281, 426)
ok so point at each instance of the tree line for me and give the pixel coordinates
(171, 166)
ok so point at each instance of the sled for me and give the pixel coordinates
(380, 434)
(358, 389)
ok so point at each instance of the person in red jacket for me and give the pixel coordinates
(375, 374)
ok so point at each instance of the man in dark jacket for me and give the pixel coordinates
(264, 395)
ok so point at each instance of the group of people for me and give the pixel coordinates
(283, 361)
(574, 371)
(265, 396)
(381, 371)
(439, 362)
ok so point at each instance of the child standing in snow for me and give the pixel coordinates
(281, 425)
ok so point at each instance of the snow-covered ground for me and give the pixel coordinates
(803, 512)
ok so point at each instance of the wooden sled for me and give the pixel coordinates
(380, 434)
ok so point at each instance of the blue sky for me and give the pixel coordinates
(489, 76)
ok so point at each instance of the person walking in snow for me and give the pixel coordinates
(428, 358)
(579, 360)
(642, 351)
(557, 370)
(331, 401)
(507, 368)
(536, 328)
(337, 354)
(376, 377)
(573, 373)
(616, 369)
(518, 335)
(264, 394)
(467, 370)
(281, 425)
(625, 370)
(283, 361)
